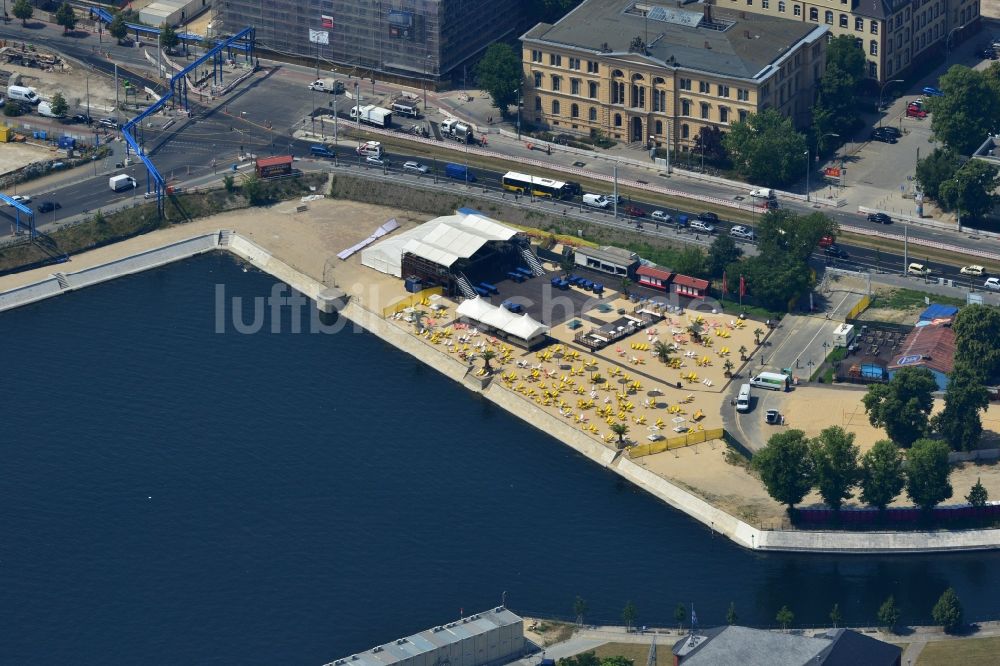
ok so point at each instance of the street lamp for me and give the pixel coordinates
(882, 90)
(519, 111)
(808, 155)
(947, 42)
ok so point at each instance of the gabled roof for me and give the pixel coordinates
(687, 281)
(851, 648)
(658, 273)
(743, 646)
(519, 325)
(930, 347)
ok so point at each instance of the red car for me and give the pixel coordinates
(826, 241)
(634, 211)
(914, 111)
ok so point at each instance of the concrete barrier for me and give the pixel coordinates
(143, 261)
(30, 293)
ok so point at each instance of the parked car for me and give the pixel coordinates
(890, 130)
(973, 270)
(932, 91)
(634, 211)
(49, 206)
(914, 111)
(416, 167)
(880, 134)
(918, 269)
(709, 217)
(741, 231)
(376, 161)
(773, 417)
(834, 251)
(880, 218)
(992, 283)
(661, 216)
(21, 198)
(611, 198)
(702, 225)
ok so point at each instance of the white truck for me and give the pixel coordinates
(457, 130)
(373, 115)
(332, 86)
(595, 201)
(122, 182)
(45, 109)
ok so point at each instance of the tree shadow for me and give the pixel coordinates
(76, 34)
(34, 25)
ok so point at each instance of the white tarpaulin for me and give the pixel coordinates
(522, 327)
(319, 36)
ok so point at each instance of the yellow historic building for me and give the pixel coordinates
(641, 72)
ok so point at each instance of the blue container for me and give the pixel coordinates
(43, 135)
(413, 285)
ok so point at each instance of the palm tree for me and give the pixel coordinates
(743, 352)
(695, 330)
(728, 368)
(487, 356)
(626, 283)
(757, 332)
(418, 320)
(663, 351)
(621, 430)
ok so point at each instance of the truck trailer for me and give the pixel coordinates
(373, 115)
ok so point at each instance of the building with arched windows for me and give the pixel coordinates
(640, 72)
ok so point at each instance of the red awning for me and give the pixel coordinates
(657, 273)
(693, 283)
(271, 161)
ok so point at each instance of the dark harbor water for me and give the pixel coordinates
(170, 495)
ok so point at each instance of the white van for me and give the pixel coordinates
(23, 94)
(743, 399)
(406, 109)
(762, 193)
(595, 201)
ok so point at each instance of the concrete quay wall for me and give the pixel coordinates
(29, 293)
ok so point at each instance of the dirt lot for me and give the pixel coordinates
(71, 82)
(13, 156)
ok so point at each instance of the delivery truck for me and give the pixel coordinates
(122, 182)
(459, 172)
(332, 86)
(373, 115)
(771, 381)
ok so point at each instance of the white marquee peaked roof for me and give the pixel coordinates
(502, 319)
(443, 240)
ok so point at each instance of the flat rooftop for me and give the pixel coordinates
(694, 36)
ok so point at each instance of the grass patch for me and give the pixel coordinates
(826, 369)
(911, 299)
(555, 632)
(637, 652)
(965, 651)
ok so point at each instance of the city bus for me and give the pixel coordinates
(539, 187)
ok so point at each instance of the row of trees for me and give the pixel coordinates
(947, 613)
(65, 16)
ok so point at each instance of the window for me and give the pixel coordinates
(749, 3)
(538, 104)
(798, 10)
(828, 17)
(742, 94)
(617, 92)
(538, 79)
(659, 127)
(860, 43)
(705, 110)
(766, 4)
(875, 27)
(781, 6)
(536, 56)
(873, 47)
(556, 82)
(685, 131)
(814, 14)
(574, 63)
(574, 111)
(703, 87)
(638, 96)
(765, 90)
(685, 84)
(592, 90)
(843, 20)
(743, 115)
(872, 70)
(591, 67)
(618, 120)
(723, 90)
(555, 107)
(859, 24)
(685, 107)
(659, 100)
(723, 114)
(555, 60)
(574, 86)
(592, 114)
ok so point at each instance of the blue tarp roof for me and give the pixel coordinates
(938, 311)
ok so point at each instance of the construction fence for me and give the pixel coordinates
(859, 308)
(680, 441)
(417, 299)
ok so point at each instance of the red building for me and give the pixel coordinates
(668, 281)
(657, 278)
(690, 287)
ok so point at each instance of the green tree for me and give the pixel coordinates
(229, 183)
(66, 17)
(579, 609)
(766, 149)
(835, 462)
(254, 189)
(776, 283)
(835, 617)
(935, 169)
(620, 429)
(723, 252)
(782, 233)
(731, 616)
(616, 660)
(843, 54)
(948, 611)
(881, 474)
(927, 473)
(785, 467)
(902, 406)
(690, 261)
(626, 283)
(582, 659)
(499, 74)
(487, 356)
(709, 142)
(888, 615)
(663, 351)
(960, 422)
(23, 10)
(680, 614)
(978, 496)
(168, 37)
(785, 617)
(836, 110)
(629, 615)
(970, 191)
(968, 110)
(59, 105)
(117, 27)
(977, 328)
